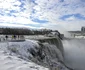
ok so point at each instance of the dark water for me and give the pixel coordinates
(75, 53)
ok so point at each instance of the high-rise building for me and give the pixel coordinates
(83, 29)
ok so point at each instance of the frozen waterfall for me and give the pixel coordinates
(46, 54)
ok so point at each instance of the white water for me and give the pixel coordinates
(75, 53)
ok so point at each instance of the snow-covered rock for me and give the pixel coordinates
(8, 62)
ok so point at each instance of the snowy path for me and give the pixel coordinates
(75, 53)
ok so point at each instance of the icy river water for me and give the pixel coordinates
(75, 53)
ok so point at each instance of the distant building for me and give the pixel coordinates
(80, 33)
(83, 29)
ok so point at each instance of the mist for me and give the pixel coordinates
(66, 34)
(75, 53)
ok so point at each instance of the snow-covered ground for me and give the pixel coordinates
(9, 61)
(81, 37)
(21, 55)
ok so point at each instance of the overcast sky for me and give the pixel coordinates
(54, 14)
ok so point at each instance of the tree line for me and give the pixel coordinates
(24, 31)
(15, 31)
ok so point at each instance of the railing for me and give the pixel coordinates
(2, 39)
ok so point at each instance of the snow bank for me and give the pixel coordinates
(9, 52)
(8, 62)
(23, 49)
